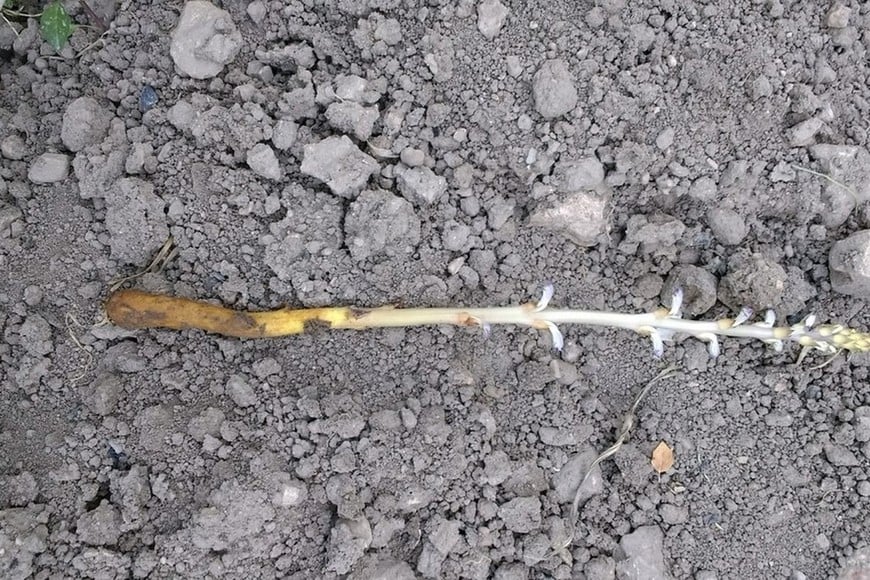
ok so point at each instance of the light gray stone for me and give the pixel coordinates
(35, 335)
(703, 189)
(354, 118)
(841, 456)
(348, 541)
(102, 396)
(491, 16)
(674, 514)
(206, 423)
(18, 490)
(838, 15)
(101, 526)
(284, 134)
(181, 115)
(340, 164)
(568, 478)
(13, 147)
(440, 541)
(357, 89)
(421, 186)
(204, 40)
(241, 392)
(582, 217)
(849, 265)
(727, 225)
(600, 568)
(390, 31)
(412, 157)
(257, 11)
(804, 133)
(655, 233)
(454, 236)
(644, 557)
(287, 491)
(578, 174)
(9, 215)
(497, 467)
(49, 168)
(262, 161)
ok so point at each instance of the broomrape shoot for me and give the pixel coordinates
(134, 309)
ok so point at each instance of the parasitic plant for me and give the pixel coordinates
(137, 309)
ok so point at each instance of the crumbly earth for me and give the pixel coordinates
(432, 153)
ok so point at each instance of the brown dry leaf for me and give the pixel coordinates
(662, 458)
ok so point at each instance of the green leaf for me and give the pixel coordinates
(56, 25)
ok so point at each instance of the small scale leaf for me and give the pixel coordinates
(662, 458)
(56, 25)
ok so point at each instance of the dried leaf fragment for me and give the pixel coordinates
(662, 458)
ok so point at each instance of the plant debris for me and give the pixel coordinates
(662, 458)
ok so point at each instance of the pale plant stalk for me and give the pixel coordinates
(134, 309)
(659, 325)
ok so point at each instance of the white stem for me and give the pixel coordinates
(659, 324)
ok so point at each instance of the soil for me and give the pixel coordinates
(472, 150)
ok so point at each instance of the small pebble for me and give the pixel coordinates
(412, 157)
(33, 295)
(49, 168)
(727, 225)
(703, 189)
(838, 16)
(257, 11)
(491, 16)
(147, 98)
(804, 133)
(421, 186)
(284, 134)
(241, 392)
(13, 147)
(665, 139)
(262, 161)
(849, 264)
(340, 164)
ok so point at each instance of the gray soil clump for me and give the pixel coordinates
(204, 40)
(553, 89)
(699, 289)
(340, 164)
(85, 122)
(849, 262)
(752, 280)
(380, 223)
(136, 221)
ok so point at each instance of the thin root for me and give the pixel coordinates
(70, 321)
(101, 39)
(806, 350)
(6, 20)
(164, 255)
(845, 187)
(827, 362)
(628, 423)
